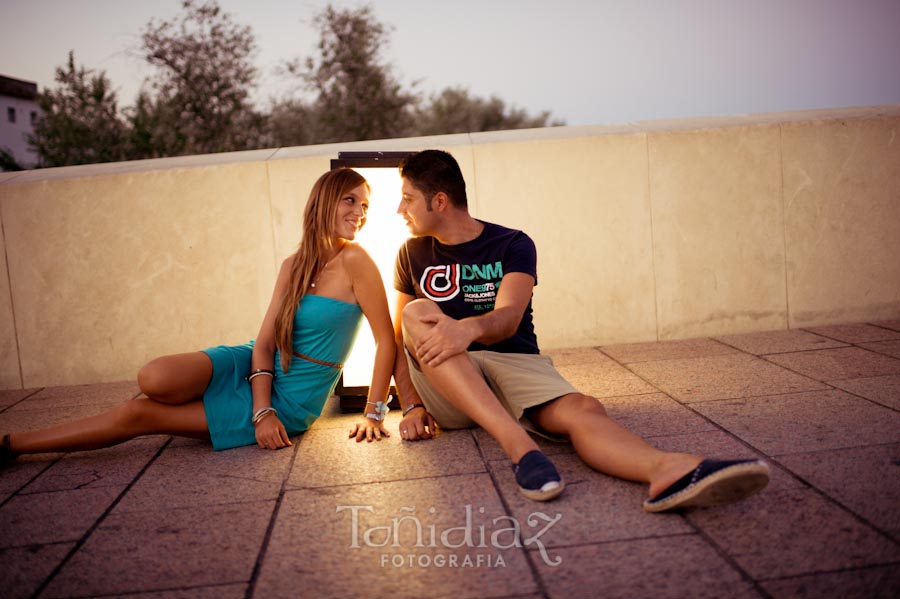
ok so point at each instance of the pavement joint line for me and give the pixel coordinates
(773, 460)
(81, 542)
(535, 575)
(826, 383)
(827, 450)
(863, 397)
(619, 540)
(835, 502)
(20, 400)
(723, 554)
(808, 486)
(715, 424)
(854, 343)
(834, 571)
(181, 508)
(810, 350)
(29, 481)
(144, 593)
(378, 482)
(270, 529)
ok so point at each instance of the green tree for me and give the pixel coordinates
(8, 161)
(454, 110)
(150, 134)
(79, 121)
(202, 90)
(357, 96)
(292, 122)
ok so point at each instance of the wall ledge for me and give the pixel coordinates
(451, 140)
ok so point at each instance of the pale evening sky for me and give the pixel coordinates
(586, 61)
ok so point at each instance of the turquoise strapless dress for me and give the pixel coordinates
(324, 330)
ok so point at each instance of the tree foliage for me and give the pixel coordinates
(454, 110)
(357, 96)
(199, 100)
(293, 122)
(8, 161)
(202, 89)
(80, 121)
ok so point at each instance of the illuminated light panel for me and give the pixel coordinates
(384, 233)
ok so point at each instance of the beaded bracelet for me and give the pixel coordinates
(381, 410)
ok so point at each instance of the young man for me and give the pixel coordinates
(468, 355)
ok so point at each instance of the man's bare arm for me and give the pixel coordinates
(449, 337)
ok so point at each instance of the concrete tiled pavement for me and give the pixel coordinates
(163, 517)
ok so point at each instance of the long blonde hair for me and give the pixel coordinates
(315, 246)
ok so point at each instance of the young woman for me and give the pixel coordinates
(265, 391)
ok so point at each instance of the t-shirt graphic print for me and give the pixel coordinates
(464, 279)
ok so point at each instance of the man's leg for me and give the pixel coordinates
(459, 381)
(607, 446)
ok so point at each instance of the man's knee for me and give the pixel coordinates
(580, 403)
(413, 312)
(420, 307)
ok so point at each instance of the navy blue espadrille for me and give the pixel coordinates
(537, 477)
(713, 482)
(6, 452)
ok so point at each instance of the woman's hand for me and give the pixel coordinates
(270, 433)
(368, 429)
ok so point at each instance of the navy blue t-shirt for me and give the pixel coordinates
(464, 279)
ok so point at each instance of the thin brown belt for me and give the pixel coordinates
(314, 361)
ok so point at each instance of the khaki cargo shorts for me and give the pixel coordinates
(520, 381)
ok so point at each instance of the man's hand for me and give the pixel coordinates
(446, 338)
(270, 433)
(417, 425)
(368, 429)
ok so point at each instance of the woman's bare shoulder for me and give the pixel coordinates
(356, 255)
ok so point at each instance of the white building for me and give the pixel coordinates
(18, 112)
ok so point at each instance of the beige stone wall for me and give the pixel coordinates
(842, 220)
(644, 232)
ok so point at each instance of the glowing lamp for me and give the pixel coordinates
(382, 236)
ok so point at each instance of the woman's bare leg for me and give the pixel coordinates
(140, 416)
(177, 378)
(173, 385)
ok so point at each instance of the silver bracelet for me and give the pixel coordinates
(258, 373)
(263, 412)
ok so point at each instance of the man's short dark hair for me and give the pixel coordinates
(433, 171)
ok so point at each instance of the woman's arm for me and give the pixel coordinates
(417, 423)
(369, 292)
(270, 432)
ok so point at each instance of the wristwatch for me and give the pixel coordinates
(409, 409)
